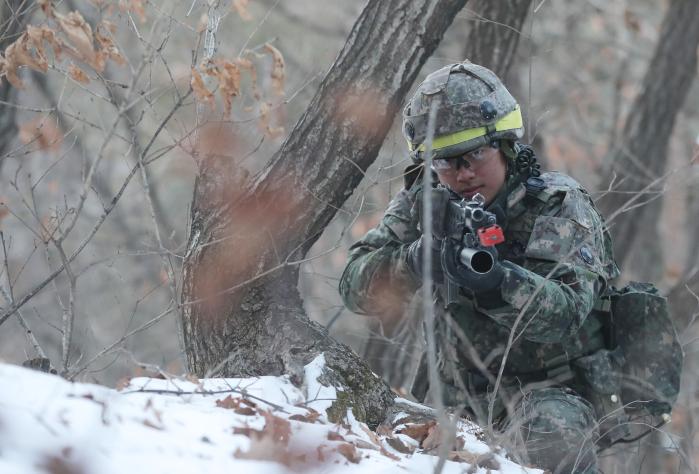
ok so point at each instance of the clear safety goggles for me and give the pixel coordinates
(473, 160)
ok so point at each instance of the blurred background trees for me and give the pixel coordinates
(101, 134)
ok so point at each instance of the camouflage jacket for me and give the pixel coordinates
(557, 259)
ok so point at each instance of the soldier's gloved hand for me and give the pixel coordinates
(415, 263)
(473, 276)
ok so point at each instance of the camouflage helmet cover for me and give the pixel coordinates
(473, 108)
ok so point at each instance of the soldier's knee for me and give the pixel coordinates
(558, 429)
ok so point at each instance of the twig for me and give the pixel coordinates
(9, 298)
(29, 295)
(75, 372)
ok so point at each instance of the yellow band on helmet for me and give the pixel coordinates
(511, 121)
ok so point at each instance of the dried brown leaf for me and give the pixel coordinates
(79, 34)
(277, 428)
(278, 74)
(246, 64)
(107, 48)
(388, 454)
(349, 452)
(265, 449)
(271, 443)
(108, 26)
(265, 122)
(78, 74)
(39, 34)
(241, 7)
(199, 88)
(27, 50)
(433, 439)
(42, 131)
(247, 411)
(122, 383)
(373, 436)
(310, 417)
(335, 436)
(230, 403)
(46, 7)
(418, 431)
(247, 431)
(60, 465)
(228, 76)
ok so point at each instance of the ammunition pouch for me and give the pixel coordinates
(643, 330)
(598, 380)
(634, 383)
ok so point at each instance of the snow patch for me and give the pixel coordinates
(318, 396)
(259, 425)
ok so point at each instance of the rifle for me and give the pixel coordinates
(469, 234)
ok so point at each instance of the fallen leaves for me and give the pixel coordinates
(349, 451)
(418, 431)
(271, 443)
(239, 405)
(60, 465)
(311, 417)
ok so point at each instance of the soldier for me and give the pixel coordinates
(549, 273)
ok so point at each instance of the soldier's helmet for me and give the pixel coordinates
(473, 108)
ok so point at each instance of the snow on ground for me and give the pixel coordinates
(261, 425)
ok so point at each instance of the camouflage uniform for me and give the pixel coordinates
(557, 260)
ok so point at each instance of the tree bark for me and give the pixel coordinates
(243, 314)
(493, 39)
(641, 155)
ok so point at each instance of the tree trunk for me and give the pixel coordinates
(493, 39)
(641, 155)
(242, 313)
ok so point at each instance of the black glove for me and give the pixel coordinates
(482, 274)
(413, 259)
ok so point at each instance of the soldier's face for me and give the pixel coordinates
(485, 175)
